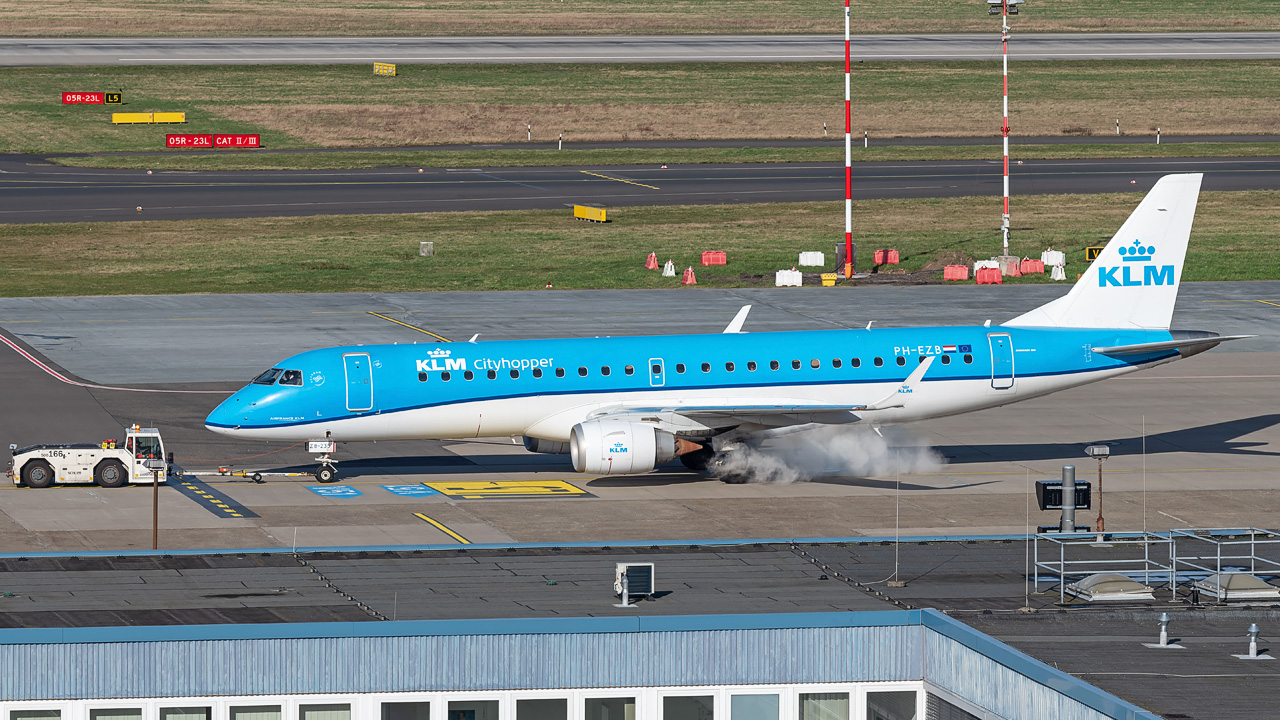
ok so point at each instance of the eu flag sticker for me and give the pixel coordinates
(966, 348)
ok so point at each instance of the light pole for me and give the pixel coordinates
(1099, 453)
(1005, 8)
(848, 156)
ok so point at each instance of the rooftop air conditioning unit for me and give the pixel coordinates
(639, 579)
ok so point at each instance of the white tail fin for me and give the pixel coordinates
(1134, 282)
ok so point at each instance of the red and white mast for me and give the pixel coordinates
(1004, 129)
(848, 157)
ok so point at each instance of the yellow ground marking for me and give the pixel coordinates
(1268, 302)
(480, 490)
(606, 177)
(440, 526)
(441, 338)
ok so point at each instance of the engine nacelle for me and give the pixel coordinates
(549, 447)
(618, 447)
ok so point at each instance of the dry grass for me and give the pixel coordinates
(232, 18)
(1232, 240)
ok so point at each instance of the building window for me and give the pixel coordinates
(900, 705)
(753, 707)
(824, 706)
(542, 709)
(630, 369)
(254, 712)
(136, 714)
(404, 711)
(623, 708)
(180, 713)
(335, 711)
(473, 710)
(694, 707)
(34, 714)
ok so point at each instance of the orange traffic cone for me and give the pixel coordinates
(689, 278)
(652, 262)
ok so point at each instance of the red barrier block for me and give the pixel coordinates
(989, 276)
(651, 263)
(1029, 266)
(892, 257)
(715, 257)
(955, 272)
(878, 257)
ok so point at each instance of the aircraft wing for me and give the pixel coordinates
(771, 412)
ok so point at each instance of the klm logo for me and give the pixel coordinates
(1130, 275)
(618, 448)
(433, 362)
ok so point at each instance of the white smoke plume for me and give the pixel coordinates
(834, 451)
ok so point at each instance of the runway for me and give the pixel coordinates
(630, 49)
(42, 193)
(1208, 425)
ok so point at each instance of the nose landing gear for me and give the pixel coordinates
(328, 470)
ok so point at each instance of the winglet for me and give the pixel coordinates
(735, 325)
(898, 397)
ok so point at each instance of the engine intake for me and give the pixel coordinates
(618, 447)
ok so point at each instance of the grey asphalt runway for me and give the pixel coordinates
(1208, 424)
(684, 48)
(36, 193)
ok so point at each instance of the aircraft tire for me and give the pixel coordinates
(327, 474)
(110, 474)
(37, 474)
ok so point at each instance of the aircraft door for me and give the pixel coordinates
(359, 381)
(1001, 361)
(657, 377)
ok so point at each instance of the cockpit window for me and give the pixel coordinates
(268, 377)
(291, 377)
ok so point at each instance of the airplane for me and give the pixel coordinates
(625, 405)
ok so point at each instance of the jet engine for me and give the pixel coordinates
(550, 447)
(618, 447)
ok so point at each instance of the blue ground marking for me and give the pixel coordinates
(334, 491)
(410, 490)
(212, 500)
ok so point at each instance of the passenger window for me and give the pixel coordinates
(630, 370)
(445, 375)
(656, 369)
(751, 366)
(680, 368)
(559, 372)
(728, 366)
(604, 370)
(968, 359)
(835, 363)
(515, 374)
(921, 358)
(492, 375)
(268, 377)
(291, 377)
(422, 377)
(468, 375)
(879, 362)
(946, 359)
(582, 372)
(815, 363)
(706, 367)
(855, 362)
(795, 364)
(773, 365)
(901, 361)
(537, 372)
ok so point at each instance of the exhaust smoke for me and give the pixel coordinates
(831, 450)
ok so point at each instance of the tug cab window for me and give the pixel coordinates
(291, 377)
(268, 377)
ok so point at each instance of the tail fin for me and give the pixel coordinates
(1134, 282)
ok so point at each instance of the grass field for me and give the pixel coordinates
(1233, 239)
(346, 106)
(653, 156)
(131, 18)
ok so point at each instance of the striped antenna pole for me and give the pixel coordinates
(848, 156)
(1004, 129)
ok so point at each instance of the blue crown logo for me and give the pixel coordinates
(439, 353)
(1138, 252)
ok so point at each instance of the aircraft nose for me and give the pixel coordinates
(225, 419)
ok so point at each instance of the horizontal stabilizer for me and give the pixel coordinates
(1188, 346)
